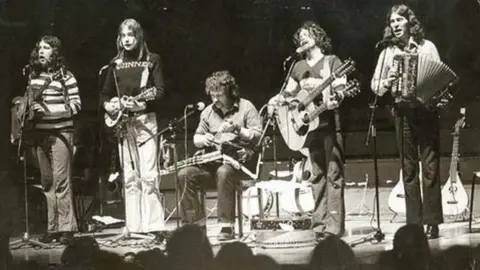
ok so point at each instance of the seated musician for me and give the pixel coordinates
(417, 127)
(229, 116)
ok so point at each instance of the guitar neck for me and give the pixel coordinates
(315, 93)
(348, 92)
(142, 95)
(454, 160)
(319, 110)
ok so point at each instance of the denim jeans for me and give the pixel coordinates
(418, 130)
(191, 178)
(54, 153)
(143, 207)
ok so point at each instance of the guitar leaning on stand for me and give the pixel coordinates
(454, 196)
(396, 199)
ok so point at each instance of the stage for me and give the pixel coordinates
(359, 223)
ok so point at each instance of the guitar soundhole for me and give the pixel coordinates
(453, 189)
(303, 130)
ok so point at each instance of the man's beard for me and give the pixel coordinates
(45, 64)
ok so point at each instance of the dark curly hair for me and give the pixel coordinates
(415, 27)
(322, 40)
(222, 81)
(57, 59)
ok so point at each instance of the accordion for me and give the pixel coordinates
(421, 79)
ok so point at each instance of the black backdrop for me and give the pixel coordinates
(251, 38)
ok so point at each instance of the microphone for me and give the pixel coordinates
(382, 44)
(199, 106)
(103, 69)
(300, 50)
(25, 68)
(303, 48)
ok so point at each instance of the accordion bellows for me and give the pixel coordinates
(422, 78)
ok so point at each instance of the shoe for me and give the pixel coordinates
(161, 236)
(226, 233)
(66, 238)
(49, 237)
(319, 236)
(432, 232)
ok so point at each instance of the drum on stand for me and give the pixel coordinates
(250, 205)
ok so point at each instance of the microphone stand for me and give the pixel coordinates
(272, 121)
(372, 133)
(173, 137)
(173, 122)
(21, 157)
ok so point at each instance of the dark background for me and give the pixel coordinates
(251, 38)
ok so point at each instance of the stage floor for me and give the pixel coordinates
(360, 224)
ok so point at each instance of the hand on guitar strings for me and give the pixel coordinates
(228, 127)
(331, 100)
(209, 140)
(132, 105)
(112, 106)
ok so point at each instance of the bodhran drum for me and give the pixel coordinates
(250, 205)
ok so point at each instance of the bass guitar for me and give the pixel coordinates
(295, 125)
(113, 119)
(454, 196)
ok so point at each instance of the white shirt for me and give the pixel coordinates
(424, 47)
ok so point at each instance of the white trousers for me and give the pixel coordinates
(144, 211)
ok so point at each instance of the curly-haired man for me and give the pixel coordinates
(54, 100)
(324, 150)
(229, 116)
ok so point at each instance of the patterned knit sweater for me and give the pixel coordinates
(131, 81)
(60, 99)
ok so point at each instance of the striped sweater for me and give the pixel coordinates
(60, 99)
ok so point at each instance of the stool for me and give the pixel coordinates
(239, 196)
(472, 194)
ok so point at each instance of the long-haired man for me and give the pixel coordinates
(54, 100)
(417, 127)
(137, 71)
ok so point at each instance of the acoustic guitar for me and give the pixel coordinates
(454, 196)
(295, 125)
(396, 198)
(113, 119)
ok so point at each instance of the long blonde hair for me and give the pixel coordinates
(138, 32)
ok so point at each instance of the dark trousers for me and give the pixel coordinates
(5, 255)
(193, 177)
(421, 132)
(329, 184)
(53, 151)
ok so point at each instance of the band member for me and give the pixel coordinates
(417, 128)
(325, 151)
(228, 118)
(134, 71)
(52, 99)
